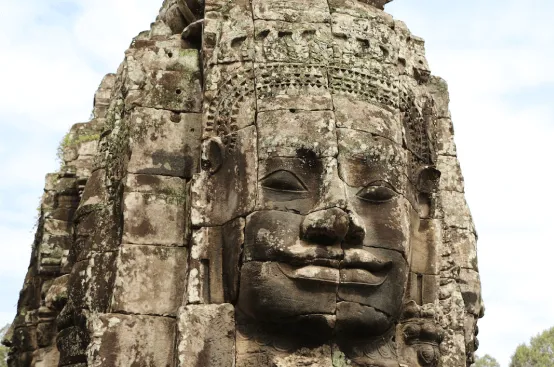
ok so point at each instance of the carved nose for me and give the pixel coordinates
(326, 227)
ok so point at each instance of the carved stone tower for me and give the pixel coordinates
(264, 183)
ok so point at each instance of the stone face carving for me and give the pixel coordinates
(275, 184)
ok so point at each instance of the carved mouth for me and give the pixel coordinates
(317, 273)
(334, 275)
(361, 277)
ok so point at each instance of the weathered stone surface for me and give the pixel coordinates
(455, 210)
(312, 11)
(165, 143)
(294, 159)
(212, 202)
(283, 41)
(451, 174)
(444, 133)
(462, 244)
(214, 263)
(363, 116)
(121, 340)
(150, 280)
(206, 336)
(312, 131)
(154, 211)
(470, 286)
(168, 79)
(228, 32)
(47, 357)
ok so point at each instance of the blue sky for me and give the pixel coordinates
(497, 57)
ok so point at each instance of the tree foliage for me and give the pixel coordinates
(486, 361)
(539, 352)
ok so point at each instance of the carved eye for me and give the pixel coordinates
(283, 181)
(377, 192)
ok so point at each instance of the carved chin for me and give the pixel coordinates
(354, 319)
(267, 295)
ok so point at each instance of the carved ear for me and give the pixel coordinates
(213, 155)
(428, 179)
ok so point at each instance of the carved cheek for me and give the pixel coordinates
(387, 225)
(271, 235)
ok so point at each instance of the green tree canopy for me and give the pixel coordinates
(486, 361)
(539, 352)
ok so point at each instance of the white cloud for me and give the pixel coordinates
(54, 55)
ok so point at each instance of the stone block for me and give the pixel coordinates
(157, 217)
(470, 286)
(65, 186)
(206, 336)
(56, 296)
(442, 131)
(423, 288)
(425, 246)
(90, 283)
(46, 333)
(227, 39)
(178, 91)
(451, 174)
(78, 285)
(82, 167)
(72, 343)
(362, 9)
(364, 116)
(88, 148)
(96, 231)
(439, 90)
(150, 280)
(455, 210)
(161, 54)
(311, 11)
(462, 244)
(50, 181)
(47, 357)
(298, 131)
(360, 39)
(165, 143)
(95, 189)
(214, 261)
(25, 338)
(101, 272)
(132, 340)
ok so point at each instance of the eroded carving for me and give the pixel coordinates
(275, 184)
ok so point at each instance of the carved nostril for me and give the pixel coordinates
(326, 227)
(356, 230)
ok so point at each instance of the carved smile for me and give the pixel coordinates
(333, 275)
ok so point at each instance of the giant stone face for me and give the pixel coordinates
(331, 234)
